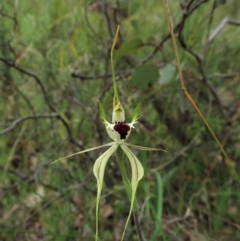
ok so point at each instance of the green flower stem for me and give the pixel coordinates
(115, 96)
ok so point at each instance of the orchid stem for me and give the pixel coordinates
(115, 97)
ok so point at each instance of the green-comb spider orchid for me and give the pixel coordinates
(119, 131)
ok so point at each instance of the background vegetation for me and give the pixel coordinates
(54, 70)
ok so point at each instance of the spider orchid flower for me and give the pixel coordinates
(119, 131)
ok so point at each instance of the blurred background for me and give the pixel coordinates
(54, 71)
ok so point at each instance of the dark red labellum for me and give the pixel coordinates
(122, 128)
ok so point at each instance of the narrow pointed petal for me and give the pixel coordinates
(102, 112)
(137, 174)
(144, 148)
(98, 170)
(99, 166)
(136, 112)
(80, 152)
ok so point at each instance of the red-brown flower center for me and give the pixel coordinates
(122, 128)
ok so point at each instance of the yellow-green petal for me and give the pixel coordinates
(137, 174)
(98, 170)
(102, 112)
(87, 150)
(144, 148)
(136, 113)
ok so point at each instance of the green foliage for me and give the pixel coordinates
(144, 76)
(168, 72)
(58, 39)
(130, 47)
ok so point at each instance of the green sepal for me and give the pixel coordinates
(136, 113)
(84, 151)
(144, 148)
(102, 112)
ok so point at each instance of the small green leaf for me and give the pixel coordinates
(168, 72)
(130, 47)
(144, 76)
(157, 212)
(136, 112)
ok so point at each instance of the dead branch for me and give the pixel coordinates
(225, 21)
(22, 119)
(49, 104)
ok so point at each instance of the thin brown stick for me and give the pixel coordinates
(22, 119)
(170, 26)
(137, 225)
(230, 163)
